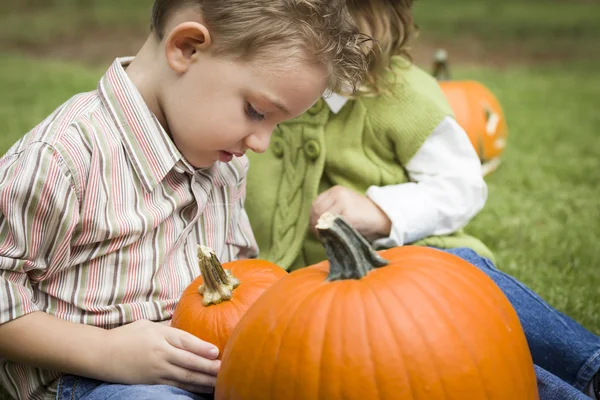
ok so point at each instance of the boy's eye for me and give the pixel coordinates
(253, 114)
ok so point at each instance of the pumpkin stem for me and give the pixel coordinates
(218, 283)
(350, 255)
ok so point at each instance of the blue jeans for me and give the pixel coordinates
(78, 388)
(550, 387)
(566, 355)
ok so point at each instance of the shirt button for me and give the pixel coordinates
(179, 168)
(312, 149)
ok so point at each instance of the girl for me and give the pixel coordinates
(391, 160)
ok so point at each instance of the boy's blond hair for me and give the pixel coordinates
(316, 30)
(391, 25)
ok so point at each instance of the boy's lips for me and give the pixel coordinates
(225, 156)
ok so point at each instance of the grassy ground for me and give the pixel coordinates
(34, 23)
(538, 30)
(543, 214)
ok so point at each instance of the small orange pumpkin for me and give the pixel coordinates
(211, 306)
(410, 323)
(477, 111)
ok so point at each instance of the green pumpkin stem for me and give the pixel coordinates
(350, 255)
(218, 283)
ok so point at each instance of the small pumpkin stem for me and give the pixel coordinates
(350, 255)
(218, 283)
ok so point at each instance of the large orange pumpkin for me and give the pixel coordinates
(478, 111)
(211, 306)
(411, 323)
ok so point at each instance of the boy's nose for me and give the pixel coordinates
(258, 142)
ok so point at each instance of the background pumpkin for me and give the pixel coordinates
(211, 306)
(427, 326)
(477, 110)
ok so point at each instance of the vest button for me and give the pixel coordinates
(312, 149)
(316, 108)
(277, 146)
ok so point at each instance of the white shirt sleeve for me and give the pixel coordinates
(446, 188)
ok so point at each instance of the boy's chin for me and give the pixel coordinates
(199, 164)
(210, 159)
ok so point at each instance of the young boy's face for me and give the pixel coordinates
(220, 108)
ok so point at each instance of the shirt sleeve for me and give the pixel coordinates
(38, 214)
(446, 188)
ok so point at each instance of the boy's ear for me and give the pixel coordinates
(184, 44)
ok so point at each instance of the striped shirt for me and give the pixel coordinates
(100, 216)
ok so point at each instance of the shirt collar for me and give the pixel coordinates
(335, 102)
(150, 149)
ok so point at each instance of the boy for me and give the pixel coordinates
(103, 203)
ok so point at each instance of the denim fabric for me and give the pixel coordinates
(550, 387)
(559, 345)
(72, 387)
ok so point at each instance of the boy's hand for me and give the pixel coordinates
(360, 211)
(145, 352)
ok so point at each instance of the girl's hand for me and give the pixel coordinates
(360, 211)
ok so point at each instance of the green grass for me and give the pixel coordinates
(545, 27)
(536, 26)
(36, 23)
(31, 89)
(543, 214)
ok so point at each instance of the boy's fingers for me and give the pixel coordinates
(181, 376)
(186, 341)
(192, 362)
(190, 388)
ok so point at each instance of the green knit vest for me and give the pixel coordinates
(367, 143)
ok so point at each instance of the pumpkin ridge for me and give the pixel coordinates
(319, 298)
(368, 337)
(377, 296)
(421, 333)
(442, 316)
(515, 374)
(385, 314)
(484, 298)
(460, 275)
(318, 293)
(335, 293)
(296, 302)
